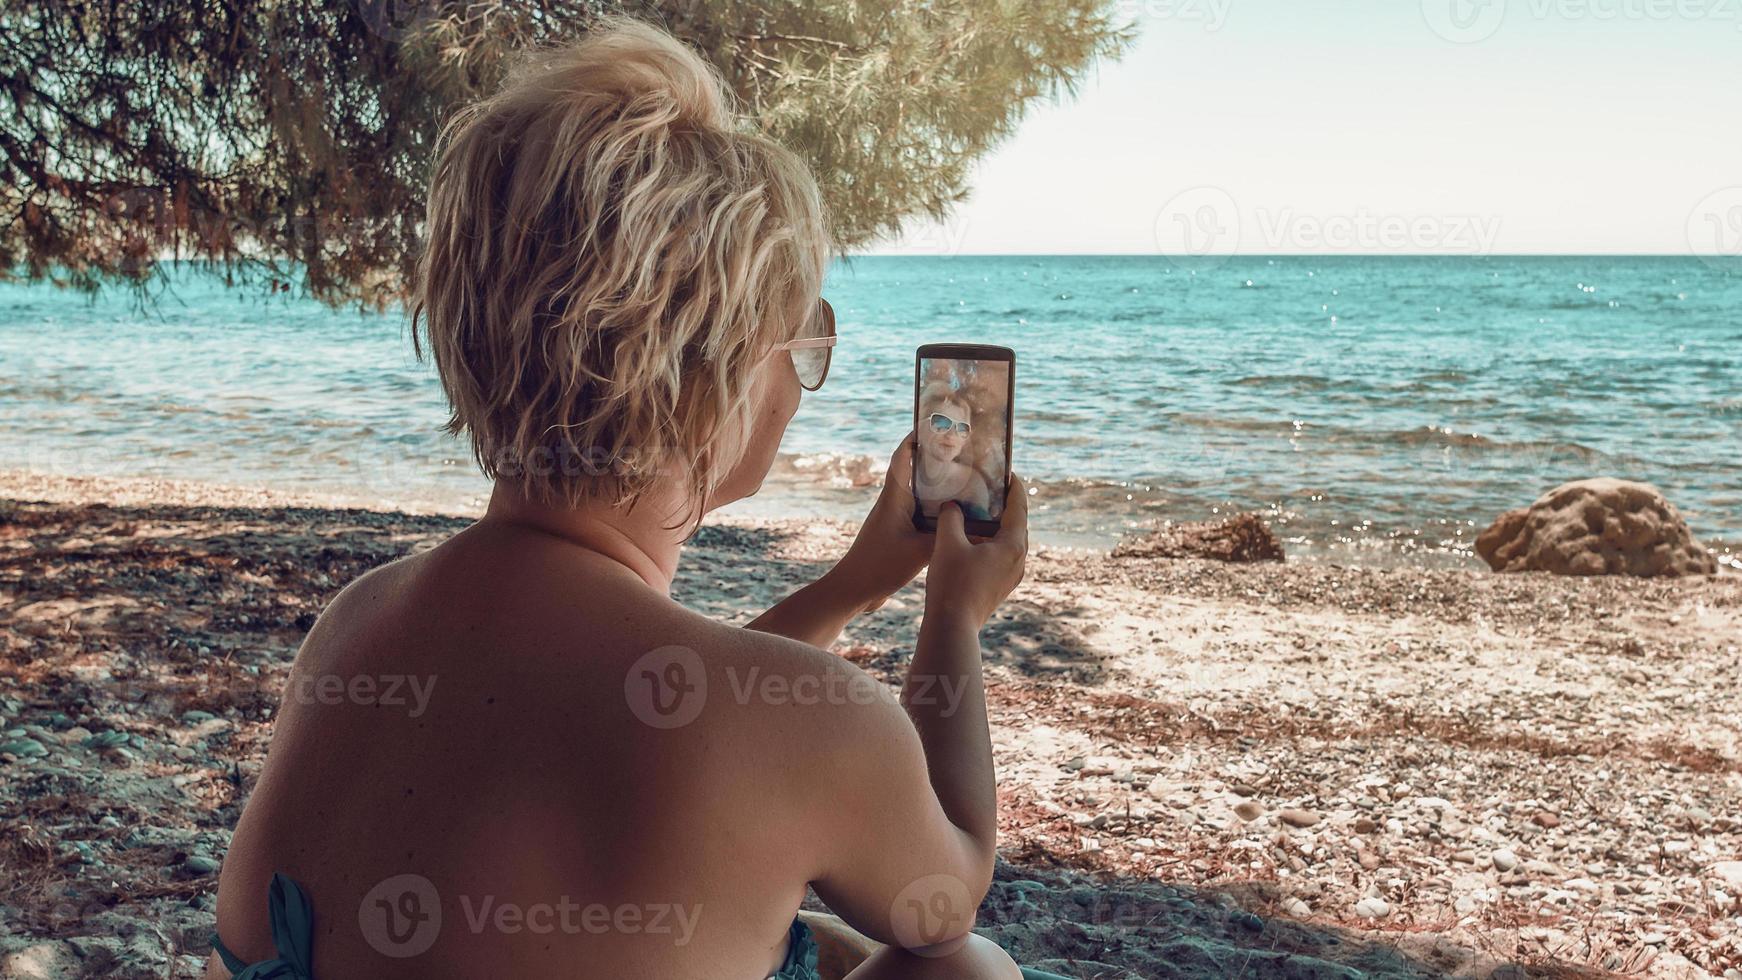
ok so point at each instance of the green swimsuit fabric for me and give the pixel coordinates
(293, 923)
(801, 955)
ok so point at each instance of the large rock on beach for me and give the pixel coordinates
(1602, 526)
(1241, 538)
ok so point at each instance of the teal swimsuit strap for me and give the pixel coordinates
(293, 923)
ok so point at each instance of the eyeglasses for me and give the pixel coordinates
(811, 352)
(941, 423)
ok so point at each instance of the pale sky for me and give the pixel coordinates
(1286, 126)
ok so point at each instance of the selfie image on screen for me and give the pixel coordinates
(962, 413)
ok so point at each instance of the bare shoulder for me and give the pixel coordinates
(353, 610)
(795, 687)
(818, 721)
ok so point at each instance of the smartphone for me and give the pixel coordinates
(963, 399)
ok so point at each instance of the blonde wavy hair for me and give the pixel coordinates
(611, 252)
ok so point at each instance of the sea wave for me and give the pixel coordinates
(1427, 435)
(1310, 382)
(836, 470)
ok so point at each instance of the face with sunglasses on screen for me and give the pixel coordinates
(944, 468)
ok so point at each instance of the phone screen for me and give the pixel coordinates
(962, 421)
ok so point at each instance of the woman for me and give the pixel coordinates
(946, 469)
(599, 781)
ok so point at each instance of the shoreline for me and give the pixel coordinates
(1203, 768)
(839, 503)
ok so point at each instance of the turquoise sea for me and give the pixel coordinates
(1380, 409)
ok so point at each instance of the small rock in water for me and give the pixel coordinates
(1298, 818)
(1600, 526)
(1241, 538)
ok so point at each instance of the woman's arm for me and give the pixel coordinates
(817, 613)
(916, 798)
(886, 555)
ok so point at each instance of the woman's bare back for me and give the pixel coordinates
(483, 767)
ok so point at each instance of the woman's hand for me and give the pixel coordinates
(886, 555)
(889, 551)
(969, 578)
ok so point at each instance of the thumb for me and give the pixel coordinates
(952, 531)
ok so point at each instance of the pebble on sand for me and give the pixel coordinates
(1372, 908)
(23, 748)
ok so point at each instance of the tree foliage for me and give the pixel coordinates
(291, 139)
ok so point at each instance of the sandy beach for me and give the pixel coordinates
(1205, 770)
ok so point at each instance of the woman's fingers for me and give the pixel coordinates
(1014, 525)
(900, 476)
(952, 531)
(1013, 530)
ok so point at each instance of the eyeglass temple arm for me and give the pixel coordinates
(807, 344)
